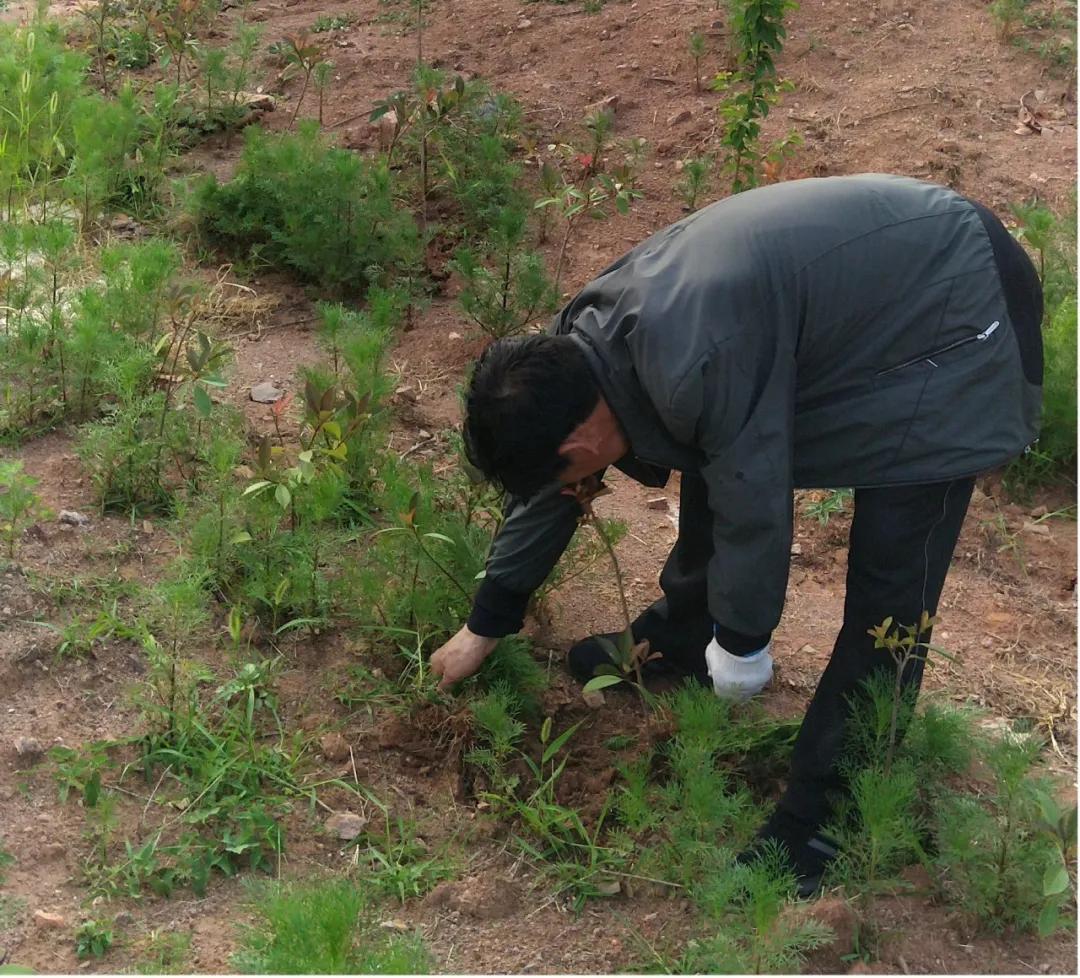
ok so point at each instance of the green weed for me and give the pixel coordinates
(93, 939)
(398, 864)
(832, 504)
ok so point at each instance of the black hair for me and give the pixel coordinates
(526, 396)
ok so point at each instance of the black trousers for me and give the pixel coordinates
(902, 541)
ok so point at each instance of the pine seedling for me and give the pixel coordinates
(698, 49)
(695, 180)
(19, 504)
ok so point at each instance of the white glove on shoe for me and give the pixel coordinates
(738, 677)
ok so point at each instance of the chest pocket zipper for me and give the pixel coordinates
(929, 357)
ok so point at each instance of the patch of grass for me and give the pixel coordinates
(398, 863)
(324, 928)
(332, 22)
(164, 953)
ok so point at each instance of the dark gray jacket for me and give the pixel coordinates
(848, 331)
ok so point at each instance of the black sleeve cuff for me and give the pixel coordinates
(738, 644)
(497, 611)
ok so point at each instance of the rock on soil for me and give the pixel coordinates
(44, 919)
(345, 825)
(28, 748)
(836, 914)
(335, 748)
(71, 518)
(266, 393)
(484, 899)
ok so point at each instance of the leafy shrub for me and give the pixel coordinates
(300, 203)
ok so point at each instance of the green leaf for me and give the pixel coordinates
(283, 496)
(1055, 880)
(256, 487)
(556, 745)
(242, 537)
(203, 404)
(440, 536)
(601, 682)
(92, 791)
(1048, 919)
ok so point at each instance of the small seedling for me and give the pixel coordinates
(905, 646)
(695, 180)
(627, 656)
(322, 75)
(19, 504)
(698, 49)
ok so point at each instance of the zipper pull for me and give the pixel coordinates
(985, 334)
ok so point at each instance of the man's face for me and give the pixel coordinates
(593, 445)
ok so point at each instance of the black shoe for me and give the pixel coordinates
(807, 849)
(586, 656)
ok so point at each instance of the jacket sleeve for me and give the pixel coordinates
(526, 549)
(737, 406)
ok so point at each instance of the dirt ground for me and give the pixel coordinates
(925, 89)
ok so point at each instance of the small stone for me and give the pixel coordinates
(796, 550)
(334, 747)
(345, 825)
(808, 650)
(147, 527)
(243, 472)
(1039, 529)
(660, 504)
(42, 918)
(257, 101)
(453, 336)
(524, 24)
(28, 748)
(679, 166)
(949, 146)
(395, 925)
(594, 698)
(70, 518)
(683, 115)
(608, 104)
(266, 393)
(125, 918)
(1038, 512)
(52, 851)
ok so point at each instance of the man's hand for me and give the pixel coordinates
(461, 656)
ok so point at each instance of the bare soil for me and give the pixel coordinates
(925, 89)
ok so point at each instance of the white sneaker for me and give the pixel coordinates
(738, 677)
